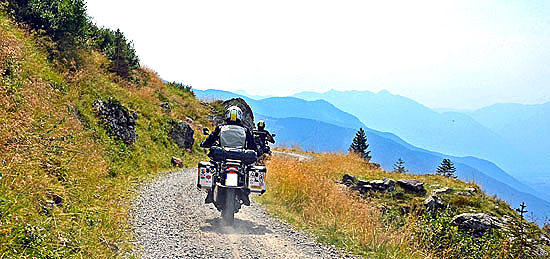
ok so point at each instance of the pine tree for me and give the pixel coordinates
(359, 145)
(446, 168)
(399, 166)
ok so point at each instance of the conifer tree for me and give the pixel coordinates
(399, 166)
(359, 145)
(446, 168)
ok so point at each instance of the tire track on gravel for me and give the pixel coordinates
(171, 220)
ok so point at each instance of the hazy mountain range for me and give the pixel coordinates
(320, 126)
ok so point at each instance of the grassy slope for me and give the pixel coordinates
(305, 194)
(52, 146)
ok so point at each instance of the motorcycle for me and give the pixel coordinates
(231, 175)
(263, 147)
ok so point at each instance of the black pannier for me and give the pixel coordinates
(220, 154)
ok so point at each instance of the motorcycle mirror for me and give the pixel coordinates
(205, 131)
(273, 134)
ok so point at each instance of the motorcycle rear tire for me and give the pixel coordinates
(228, 212)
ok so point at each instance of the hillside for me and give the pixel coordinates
(385, 219)
(65, 183)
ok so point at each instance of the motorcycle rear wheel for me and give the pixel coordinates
(228, 212)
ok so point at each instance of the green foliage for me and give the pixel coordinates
(436, 232)
(359, 145)
(68, 25)
(118, 49)
(446, 168)
(399, 166)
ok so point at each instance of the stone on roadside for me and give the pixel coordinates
(176, 162)
(166, 107)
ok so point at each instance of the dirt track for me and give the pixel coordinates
(172, 221)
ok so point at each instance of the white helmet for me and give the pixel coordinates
(233, 113)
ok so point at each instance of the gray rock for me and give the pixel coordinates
(348, 180)
(433, 203)
(121, 123)
(478, 223)
(182, 134)
(166, 107)
(362, 183)
(413, 186)
(365, 188)
(383, 185)
(248, 115)
(443, 190)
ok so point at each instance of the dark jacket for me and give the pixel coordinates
(215, 136)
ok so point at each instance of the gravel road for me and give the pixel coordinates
(171, 221)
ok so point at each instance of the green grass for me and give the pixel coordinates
(52, 147)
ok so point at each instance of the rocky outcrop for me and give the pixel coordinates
(248, 115)
(120, 122)
(182, 134)
(413, 186)
(384, 185)
(477, 224)
(433, 203)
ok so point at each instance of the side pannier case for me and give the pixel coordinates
(205, 176)
(256, 179)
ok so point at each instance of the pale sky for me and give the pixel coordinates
(443, 54)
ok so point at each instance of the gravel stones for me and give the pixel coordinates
(171, 220)
(121, 123)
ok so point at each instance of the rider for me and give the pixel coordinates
(231, 134)
(262, 134)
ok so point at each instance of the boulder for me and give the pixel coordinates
(166, 107)
(176, 162)
(348, 180)
(182, 134)
(362, 183)
(443, 190)
(120, 122)
(433, 203)
(365, 188)
(410, 185)
(477, 224)
(248, 115)
(383, 185)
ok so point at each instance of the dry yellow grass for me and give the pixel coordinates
(305, 193)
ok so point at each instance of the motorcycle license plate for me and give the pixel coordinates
(231, 179)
